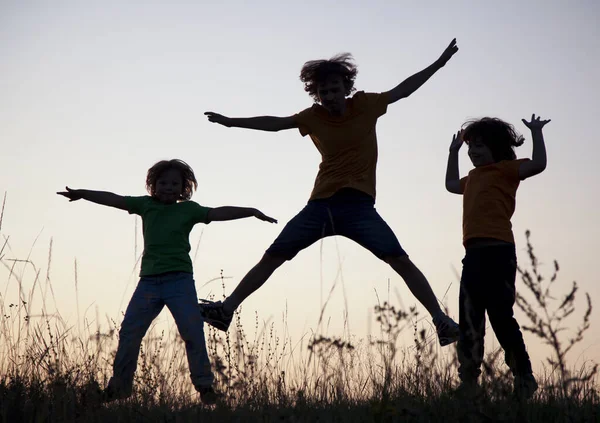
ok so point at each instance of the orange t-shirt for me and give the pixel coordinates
(347, 143)
(489, 194)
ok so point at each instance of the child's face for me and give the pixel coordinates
(480, 154)
(332, 94)
(169, 186)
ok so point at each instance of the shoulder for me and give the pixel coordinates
(307, 113)
(194, 208)
(138, 204)
(511, 167)
(364, 101)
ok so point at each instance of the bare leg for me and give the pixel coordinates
(416, 282)
(253, 280)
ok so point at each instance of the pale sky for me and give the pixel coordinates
(94, 93)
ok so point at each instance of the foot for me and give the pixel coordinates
(524, 386)
(467, 390)
(447, 330)
(208, 395)
(110, 394)
(215, 315)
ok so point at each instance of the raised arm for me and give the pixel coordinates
(412, 83)
(261, 123)
(233, 213)
(538, 161)
(452, 174)
(99, 197)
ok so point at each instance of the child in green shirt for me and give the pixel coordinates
(166, 276)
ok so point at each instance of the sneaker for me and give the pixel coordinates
(215, 315)
(208, 395)
(524, 386)
(447, 330)
(110, 394)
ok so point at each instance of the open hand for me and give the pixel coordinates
(457, 141)
(71, 194)
(448, 53)
(535, 123)
(260, 215)
(217, 118)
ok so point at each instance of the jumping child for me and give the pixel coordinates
(342, 201)
(490, 262)
(166, 275)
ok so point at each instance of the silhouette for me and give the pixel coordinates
(342, 201)
(490, 262)
(166, 275)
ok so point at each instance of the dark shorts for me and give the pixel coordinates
(350, 213)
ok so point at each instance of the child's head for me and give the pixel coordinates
(491, 140)
(329, 81)
(170, 181)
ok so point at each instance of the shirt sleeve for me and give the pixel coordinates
(200, 213)
(511, 168)
(303, 120)
(136, 205)
(463, 184)
(377, 103)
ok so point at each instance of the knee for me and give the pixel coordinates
(270, 261)
(130, 335)
(399, 262)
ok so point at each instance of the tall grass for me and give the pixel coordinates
(51, 370)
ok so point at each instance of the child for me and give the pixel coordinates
(166, 276)
(490, 263)
(343, 198)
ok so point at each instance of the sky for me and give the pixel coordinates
(94, 93)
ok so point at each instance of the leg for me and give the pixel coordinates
(416, 282)
(471, 321)
(253, 280)
(502, 266)
(180, 297)
(143, 308)
(307, 227)
(357, 219)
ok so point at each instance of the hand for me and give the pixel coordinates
(260, 215)
(71, 194)
(536, 124)
(448, 53)
(217, 118)
(457, 141)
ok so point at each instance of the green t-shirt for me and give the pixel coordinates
(166, 229)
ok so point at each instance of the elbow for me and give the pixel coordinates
(453, 187)
(540, 167)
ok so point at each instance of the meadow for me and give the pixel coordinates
(53, 371)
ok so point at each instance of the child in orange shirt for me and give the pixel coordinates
(490, 263)
(342, 202)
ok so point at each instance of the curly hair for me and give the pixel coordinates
(499, 136)
(187, 175)
(316, 71)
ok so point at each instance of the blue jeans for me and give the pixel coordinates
(349, 213)
(177, 291)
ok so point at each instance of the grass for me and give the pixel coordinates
(53, 372)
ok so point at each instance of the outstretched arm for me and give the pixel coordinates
(412, 83)
(99, 197)
(261, 123)
(233, 213)
(452, 174)
(538, 161)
